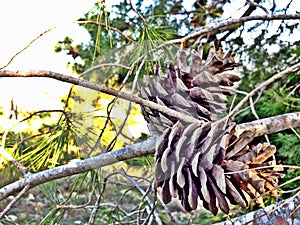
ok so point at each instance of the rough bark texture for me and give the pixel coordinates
(285, 213)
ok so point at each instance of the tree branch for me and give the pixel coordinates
(80, 166)
(226, 24)
(138, 13)
(101, 88)
(14, 201)
(27, 46)
(272, 124)
(263, 85)
(263, 126)
(279, 213)
(107, 27)
(256, 5)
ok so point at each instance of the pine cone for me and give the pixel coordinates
(214, 164)
(207, 161)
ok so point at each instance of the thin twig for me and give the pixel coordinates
(112, 142)
(89, 70)
(82, 205)
(121, 172)
(14, 201)
(29, 138)
(274, 209)
(43, 111)
(258, 5)
(138, 13)
(294, 210)
(290, 191)
(277, 187)
(263, 167)
(27, 46)
(142, 201)
(109, 109)
(14, 161)
(221, 26)
(247, 107)
(94, 211)
(257, 117)
(172, 219)
(106, 26)
(290, 126)
(95, 207)
(121, 198)
(263, 85)
(103, 65)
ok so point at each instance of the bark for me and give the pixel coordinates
(264, 126)
(272, 124)
(79, 166)
(100, 88)
(284, 212)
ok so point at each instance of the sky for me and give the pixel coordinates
(21, 21)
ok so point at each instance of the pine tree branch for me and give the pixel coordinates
(14, 201)
(282, 212)
(102, 88)
(227, 24)
(133, 98)
(27, 46)
(263, 126)
(106, 26)
(138, 13)
(34, 179)
(263, 85)
(272, 124)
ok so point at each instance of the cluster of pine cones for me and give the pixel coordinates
(204, 161)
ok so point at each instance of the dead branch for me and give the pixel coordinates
(252, 3)
(14, 201)
(269, 215)
(27, 46)
(9, 157)
(104, 65)
(138, 13)
(142, 191)
(101, 88)
(225, 25)
(272, 124)
(80, 166)
(263, 126)
(263, 85)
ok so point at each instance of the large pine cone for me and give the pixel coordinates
(207, 161)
